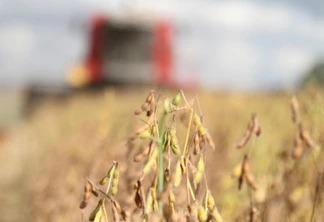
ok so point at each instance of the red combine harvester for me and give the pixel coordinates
(126, 51)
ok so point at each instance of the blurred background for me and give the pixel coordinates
(63, 57)
(225, 45)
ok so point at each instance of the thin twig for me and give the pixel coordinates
(101, 191)
(188, 132)
(191, 191)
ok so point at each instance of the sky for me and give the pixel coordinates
(248, 45)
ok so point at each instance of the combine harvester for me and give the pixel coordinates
(130, 50)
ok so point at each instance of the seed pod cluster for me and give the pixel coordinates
(302, 135)
(247, 175)
(174, 168)
(253, 127)
(201, 136)
(88, 189)
(148, 105)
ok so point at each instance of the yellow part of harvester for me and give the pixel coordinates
(78, 76)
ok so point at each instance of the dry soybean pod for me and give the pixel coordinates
(202, 214)
(171, 202)
(177, 99)
(96, 213)
(174, 141)
(298, 147)
(86, 195)
(200, 170)
(247, 135)
(178, 174)
(305, 136)
(115, 179)
(150, 162)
